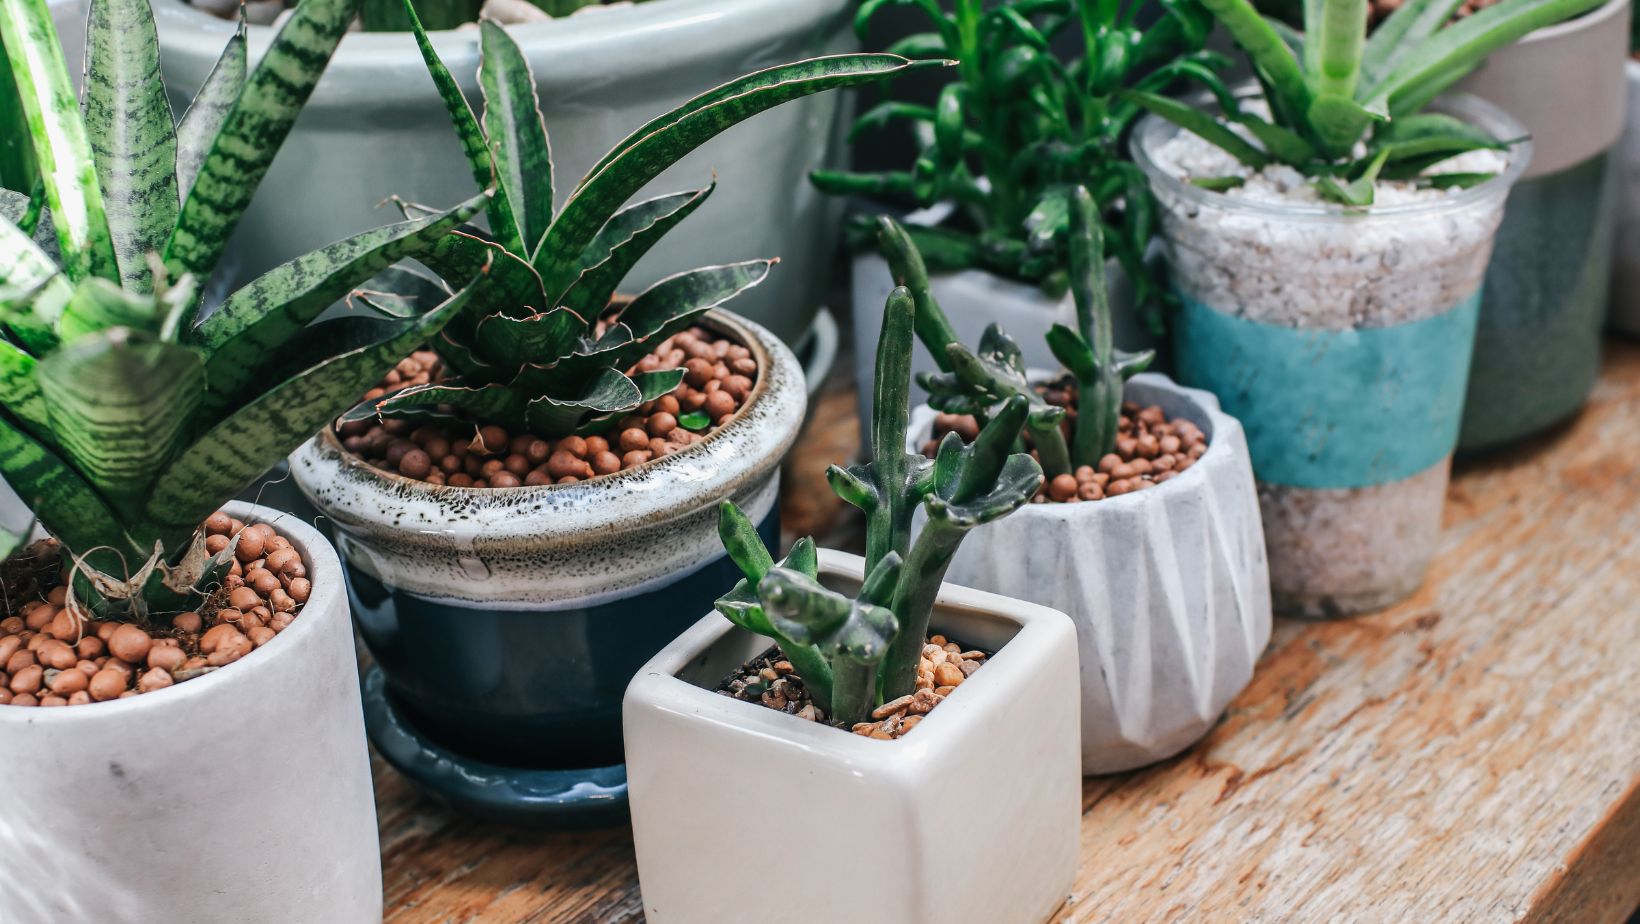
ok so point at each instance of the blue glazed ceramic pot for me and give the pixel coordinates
(508, 622)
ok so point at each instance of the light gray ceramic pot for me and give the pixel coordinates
(374, 127)
(1169, 587)
(1625, 289)
(133, 809)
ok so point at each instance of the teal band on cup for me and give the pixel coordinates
(1334, 408)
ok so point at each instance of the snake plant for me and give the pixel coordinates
(1347, 109)
(856, 654)
(125, 418)
(1017, 127)
(536, 349)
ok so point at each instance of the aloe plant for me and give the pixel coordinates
(1017, 126)
(536, 349)
(125, 418)
(855, 654)
(1347, 109)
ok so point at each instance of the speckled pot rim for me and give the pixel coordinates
(745, 449)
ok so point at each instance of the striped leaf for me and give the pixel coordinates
(513, 283)
(355, 353)
(98, 305)
(496, 404)
(17, 169)
(1411, 23)
(60, 143)
(209, 109)
(516, 135)
(27, 268)
(20, 391)
(622, 242)
(609, 392)
(542, 338)
(659, 144)
(132, 139)
(119, 403)
(252, 134)
(64, 502)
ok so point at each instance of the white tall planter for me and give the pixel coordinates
(972, 818)
(1625, 291)
(1168, 587)
(243, 795)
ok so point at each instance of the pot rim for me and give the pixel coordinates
(325, 573)
(1149, 133)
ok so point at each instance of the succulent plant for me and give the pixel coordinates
(981, 381)
(1017, 126)
(855, 654)
(536, 349)
(125, 418)
(1346, 108)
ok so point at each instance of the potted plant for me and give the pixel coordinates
(196, 664)
(1165, 576)
(1328, 240)
(532, 517)
(961, 704)
(1013, 128)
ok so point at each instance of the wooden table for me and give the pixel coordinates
(1470, 755)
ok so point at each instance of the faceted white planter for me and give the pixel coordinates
(1625, 291)
(1168, 587)
(243, 795)
(972, 818)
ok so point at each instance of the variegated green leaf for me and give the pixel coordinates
(17, 168)
(61, 147)
(25, 267)
(20, 390)
(133, 142)
(513, 286)
(252, 134)
(98, 305)
(660, 143)
(622, 242)
(540, 338)
(516, 136)
(652, 385)
(209, 109)
(68, 506)
(497, 404)
(119, 403)
(609, 393)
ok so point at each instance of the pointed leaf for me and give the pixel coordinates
(513, 285)
(20, 391)
(98, 305)
(1073, 352)
(610, 392)
(540, 339)
(488, 403)
(209, 109)
(621, 243)
(68, 506)
(652, 385)
(1201, 124)
(516, 136)
(25, 267)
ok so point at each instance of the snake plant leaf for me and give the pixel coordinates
(210, 107)
(854, 486)
(514, 285)
(17, 168)
(883, 114)
(62, 149)
(1074, 353)
(652, 385)
(67, 505)
(236, 451)
(800, 608)
(1339, 121)
(252, 134)
(611, 392)
(98, 304)
(539, 338)
(10, 540)
(516, 135)
(458, 354)
(1013, 487)
(660, 143)
(20, 391)
(870, 8)
(1406, 28)
(990, 451)
(133, 141)
(503, 223)
(888, 184)
(622, 242)
(1201, 124)
(25, 267)
(496, 403)
(119, 403)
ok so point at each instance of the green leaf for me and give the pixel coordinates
(694, 420)
(1283, 144)
(209, 109)
(24, 266)
(68, 507)
(496, 404)
(61, 147)
(881, 115)
(133, 142)
(17, 168)
(610, 392)
(621, 243)
(98, 305)
(659, 144)
(253, 133)
(542, 338)
(513, 284)
(1411, 23)
(1339, 34)
(1432, 133)
(516, 136)
(1200, 124)
(20, 391)
(1269, 54)
(1010, 489)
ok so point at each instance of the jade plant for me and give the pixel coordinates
(853, 655)
(1017, 126)
(126, 418)
(538, 347)
(1347, 109)
(982, 381)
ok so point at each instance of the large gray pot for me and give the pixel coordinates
(1537, 348)
(375, 127)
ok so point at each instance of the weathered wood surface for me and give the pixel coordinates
(1471, 755)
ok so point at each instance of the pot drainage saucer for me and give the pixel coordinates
(561, 799)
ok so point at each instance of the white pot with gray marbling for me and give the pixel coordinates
(243, 795)
(1168, 587)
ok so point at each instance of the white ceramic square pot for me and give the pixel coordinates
(1168, 587)
(744, 814)
(243, 795)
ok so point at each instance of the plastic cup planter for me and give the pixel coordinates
(971, 818)
(506, 623)
(1341, 339)
(127, 809)
(1168, 587)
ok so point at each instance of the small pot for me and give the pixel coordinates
(1625, 289)
(1341, 339)
(1537, 347)
(505, 623)
(1168, 587)
(131, 809)
(971, 818)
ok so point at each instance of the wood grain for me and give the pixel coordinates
(1470, 755)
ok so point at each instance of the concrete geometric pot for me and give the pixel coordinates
(1625, 288)
(972, 818)
(243, 795)
(1168, 587)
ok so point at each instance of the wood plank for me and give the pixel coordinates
(1470, 755)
